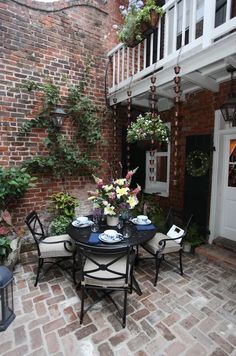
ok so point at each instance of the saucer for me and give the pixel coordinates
(136, 222)
(76, 223)
(110, 239)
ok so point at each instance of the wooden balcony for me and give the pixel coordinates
(198, 35)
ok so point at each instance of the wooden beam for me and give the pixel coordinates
(202, 81)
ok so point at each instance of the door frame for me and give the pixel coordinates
(220, 130)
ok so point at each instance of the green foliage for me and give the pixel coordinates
(64, 156)
(5, 248)
(49, 89)
(84, 115)
(194, 236)
(64, 204)
(13, 184)
(131, 31)
(60, 224)
(148, 127)
(144, 14)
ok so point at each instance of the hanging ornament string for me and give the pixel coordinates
(115, 158)
(177, 81)
(129, 102)
(152, 106)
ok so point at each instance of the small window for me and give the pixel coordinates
(157, 170)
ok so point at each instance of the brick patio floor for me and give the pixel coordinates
(190, 315)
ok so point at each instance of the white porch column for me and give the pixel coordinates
(208, 22)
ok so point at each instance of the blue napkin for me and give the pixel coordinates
(93, 238)
(145, 227)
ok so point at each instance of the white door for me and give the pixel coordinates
(228, 218)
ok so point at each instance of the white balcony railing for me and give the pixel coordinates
(187, 25)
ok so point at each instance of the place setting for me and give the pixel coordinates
(142, 222)
(82, 221)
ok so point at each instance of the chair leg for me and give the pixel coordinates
(40, 265)
(158, 263)
(180, 262)
(82, 305)
(74, 269)
(124, 309)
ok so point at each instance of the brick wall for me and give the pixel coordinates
(41, 40)
(198, 115)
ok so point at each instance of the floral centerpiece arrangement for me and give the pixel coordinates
(138, 17)
(148, 127)
(116, 196)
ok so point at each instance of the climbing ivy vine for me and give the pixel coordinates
(66, 155)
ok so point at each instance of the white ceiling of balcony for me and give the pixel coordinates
(202, 70)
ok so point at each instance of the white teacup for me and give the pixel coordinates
(82, 219)
(110, 233)
(142, 219)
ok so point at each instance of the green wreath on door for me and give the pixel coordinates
(197, 163)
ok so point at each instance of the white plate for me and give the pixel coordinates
(110, 239)
(136, 222)
(76, 223)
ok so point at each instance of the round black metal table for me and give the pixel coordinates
(81, 236)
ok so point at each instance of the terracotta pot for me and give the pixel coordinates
(112, 220)
(148, 28)
(132, 43)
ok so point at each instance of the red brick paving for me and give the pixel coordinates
(190, 315)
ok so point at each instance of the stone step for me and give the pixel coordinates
(217, 255)
(225, 243)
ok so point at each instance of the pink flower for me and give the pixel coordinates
(4, 230)
(136, 190)
(6, 216)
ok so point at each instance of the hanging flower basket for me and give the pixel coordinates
(149, 130)
(148, 145)
(197, 163)
(148, 27)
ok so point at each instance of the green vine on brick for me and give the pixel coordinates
(64, 155)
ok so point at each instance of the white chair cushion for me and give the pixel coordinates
(119, 266)
(56, 249)
(153, 244)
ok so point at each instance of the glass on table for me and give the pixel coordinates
(95, 225)
(127, 232)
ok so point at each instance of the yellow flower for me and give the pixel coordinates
(107, 187)
(92, 197)
(121, 191)
(120, 181)
(109, 210)
(132, 201)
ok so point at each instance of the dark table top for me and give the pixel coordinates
(81, 236)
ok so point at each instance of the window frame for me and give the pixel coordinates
(162, 188)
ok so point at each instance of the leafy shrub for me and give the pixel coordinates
(60, 224)
(64, 204)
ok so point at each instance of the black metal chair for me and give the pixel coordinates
(163, 244)
(58, 248)
(106, 271)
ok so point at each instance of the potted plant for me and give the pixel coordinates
(114, 197)
(148, 128)
(63, 206)
(13, 184)
(139, 20)
(193, 239)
